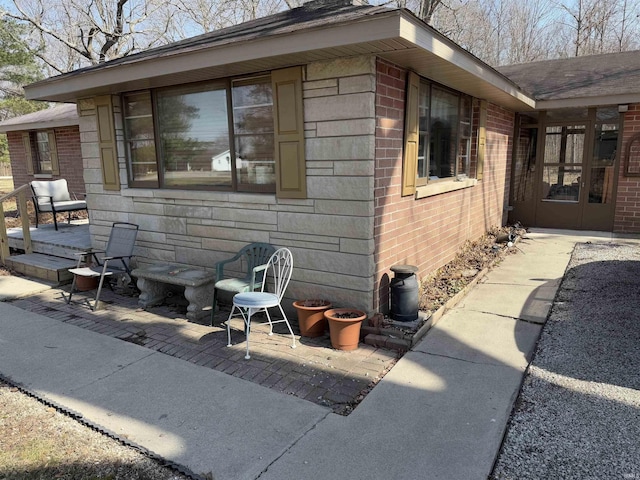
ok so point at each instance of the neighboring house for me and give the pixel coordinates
(367, 139)
(46, 145)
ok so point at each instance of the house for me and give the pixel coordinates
(367, 139)
(577, 158)
(46, 145)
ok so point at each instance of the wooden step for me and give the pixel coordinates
(44, 267)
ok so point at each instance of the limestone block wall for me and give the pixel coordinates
(427, 232)
(330, 232)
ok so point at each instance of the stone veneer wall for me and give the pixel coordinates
(69, 158)
(428, 232)
(330, 232)
(627, 214)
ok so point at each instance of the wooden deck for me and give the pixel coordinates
(54, 252)
(64, 242)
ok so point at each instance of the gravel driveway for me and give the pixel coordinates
(578, 414)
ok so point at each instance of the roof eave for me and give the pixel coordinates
(396, 35)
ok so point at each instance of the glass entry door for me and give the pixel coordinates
(562, 182)
(578, 172)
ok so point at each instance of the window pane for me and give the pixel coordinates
(464, 145)
(253, 129)
(194, 134)
(561, 183)
(42, 155)
(603, 163)
(443, 131)
(139, 135)
(423, 134)
(525, 164)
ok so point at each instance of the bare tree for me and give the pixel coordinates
(627, 26)
(192, 17)
(589, 21)
(76, 33)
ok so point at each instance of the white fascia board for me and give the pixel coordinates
(139, 70)
(584, 102)
(444, 48)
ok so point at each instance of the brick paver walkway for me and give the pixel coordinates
(313, 371)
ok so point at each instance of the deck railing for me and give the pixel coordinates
(21, 194)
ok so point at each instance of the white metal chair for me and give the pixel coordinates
(119, 252)
(247, 304)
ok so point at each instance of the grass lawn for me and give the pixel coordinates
(6, 184)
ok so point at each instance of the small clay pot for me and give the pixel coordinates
(311, 317)
(344, 327)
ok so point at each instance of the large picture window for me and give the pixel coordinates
(217, 135)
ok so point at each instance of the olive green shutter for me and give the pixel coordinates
(411, 136)
(107, 143)
(53, 153)
(28, 157)
(482, 139)
(291, 180)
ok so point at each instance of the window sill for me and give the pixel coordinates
(443, 187)
(42, 175)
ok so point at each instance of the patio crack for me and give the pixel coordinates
(117, 370)
(294, 443)
(517, 319)
(441, 355)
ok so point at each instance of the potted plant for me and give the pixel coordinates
(311, 316)
(344, 327)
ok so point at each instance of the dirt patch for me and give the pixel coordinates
(39, 442)
(471, 259)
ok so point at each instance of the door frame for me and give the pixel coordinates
(580, 215)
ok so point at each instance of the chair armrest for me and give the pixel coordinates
(259, 268)
(220, 265)
(50, 197)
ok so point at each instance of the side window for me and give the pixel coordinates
(440, 121)
(40, 152)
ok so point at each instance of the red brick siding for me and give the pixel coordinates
(69, 158)
(428, 232)
(627, 214)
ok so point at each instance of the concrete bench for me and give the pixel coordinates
(198, 284)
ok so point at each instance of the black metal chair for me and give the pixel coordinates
(114, 260)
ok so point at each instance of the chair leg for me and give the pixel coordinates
(229, 326)
(97, 300)
(293, 337)
(73, 287)
(213, 304)
(247, 323)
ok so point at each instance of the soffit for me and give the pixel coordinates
(395, 35)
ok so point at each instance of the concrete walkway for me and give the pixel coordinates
(439, 414)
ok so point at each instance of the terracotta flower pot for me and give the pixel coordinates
(84, 284)
(344, 327)
(311, 317)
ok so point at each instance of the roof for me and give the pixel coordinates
(59, 116)
(606, 79)
(318, 30)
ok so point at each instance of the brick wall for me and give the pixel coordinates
(69, 158)
(627, 214)
(428, 232)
